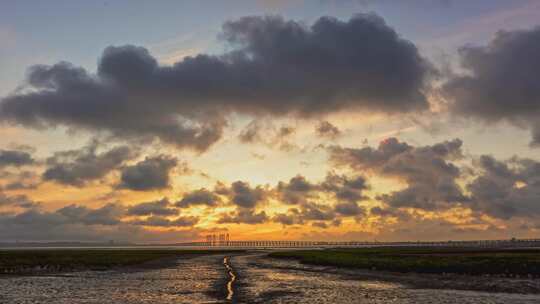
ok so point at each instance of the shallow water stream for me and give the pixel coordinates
(245, 278)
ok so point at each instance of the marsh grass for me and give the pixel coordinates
(54, 260)
(426, 260)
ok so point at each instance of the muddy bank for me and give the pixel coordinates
(414, 280)
(193, 280)
(257, 279)
(263, 280)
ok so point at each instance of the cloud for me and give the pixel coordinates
(245, 198)
(274, 67)
(243, 216)
(110, 214)
(349, 209)
(78, 167)
(342, 188)
(368, 158)
(502, 83)
(504, 189)
(152, 173)
(327, 61)
(385, 212)
(327, 130)
(500, 189)
(428, 171)
(78, 223)
(297, 190)
(285, 219)
(346, 188)
(160, 221)
(21, 185)
(263, 131)
(15, 158)
(243, 195)
(316, 212)
(251, 133)
(156, 208)
(21, 201)
(199, 197)
(307, 212)
(326, 225)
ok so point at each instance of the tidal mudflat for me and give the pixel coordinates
(252, 277)
(49, 261)
(512, 262)
(199, 279)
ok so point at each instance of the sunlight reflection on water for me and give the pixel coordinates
(204, 280)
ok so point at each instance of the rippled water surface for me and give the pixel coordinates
(256, 280)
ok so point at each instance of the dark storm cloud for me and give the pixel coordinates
(503, 83)
(77, 167)
(15, 158)
(329, 66)
(327, 130)
(63, 94)
(428, 171)
(505, 189)
(275, 67)
(152, 173)
(199, 197)
(159, 208)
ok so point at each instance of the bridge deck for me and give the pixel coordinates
(318, 244)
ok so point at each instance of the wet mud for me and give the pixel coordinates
(242, 278)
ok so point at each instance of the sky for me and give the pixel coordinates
(163, 122)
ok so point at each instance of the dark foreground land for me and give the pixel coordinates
(473, 261)
(24, 261)
(202, 276)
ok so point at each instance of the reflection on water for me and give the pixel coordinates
(232, 278)
(239, 279)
